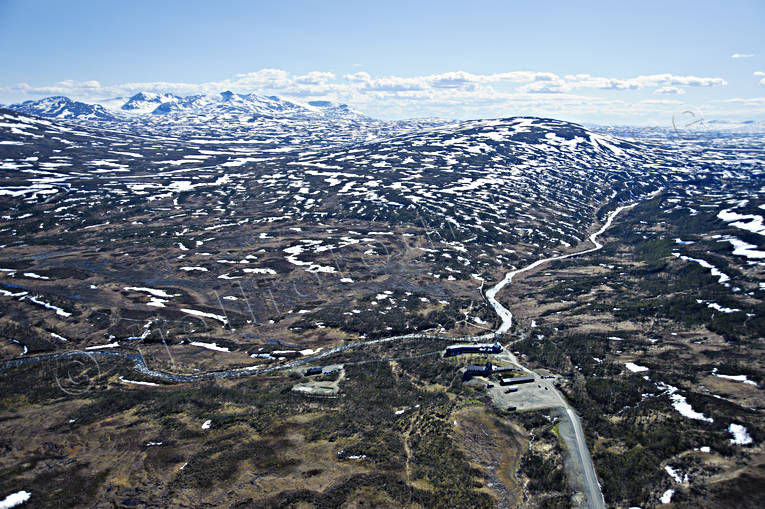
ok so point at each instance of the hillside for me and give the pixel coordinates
(182, 260)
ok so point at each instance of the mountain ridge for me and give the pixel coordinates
(63, 108)
(150, 103)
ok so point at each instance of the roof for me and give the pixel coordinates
(475, 347)
(485, 368)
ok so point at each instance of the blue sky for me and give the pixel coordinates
(607, 62)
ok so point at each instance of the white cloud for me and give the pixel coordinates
(669, 91)
(672, 102)
(553, 87)
(268, 78)
(315, 78)
(746, 101)
(450, 80)
(760, 73)
(61, 88)
(318, 83)
(651, 80)
(742, 55)
(747, 108)
(364, 81)
(456, 94)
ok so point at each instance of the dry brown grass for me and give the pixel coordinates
(490, 448)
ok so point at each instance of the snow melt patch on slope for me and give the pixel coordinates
(137, 382)
(666, 498)
(635, 368)
(15, 499)
(723, 278)
(210, 346)
(717, 307)
(202, 314)
(675, 474)
(740, 434)
(681, 404)
(748, 222)
(295, 251)
(116, 344)
(741, 248)
(152, 291)
(58, 310)
(735, 378)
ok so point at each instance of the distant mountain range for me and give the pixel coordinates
(233, 114)
(148, 103)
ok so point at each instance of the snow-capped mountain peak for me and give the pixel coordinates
(147, 102)
(63, 107)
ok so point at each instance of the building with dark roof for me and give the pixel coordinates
(471, 371)
(475, 348)
(516, 380)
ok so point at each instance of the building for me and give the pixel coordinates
(313, 371)
(474, 348)
(471, 371)
(516, 380)
(285, 353)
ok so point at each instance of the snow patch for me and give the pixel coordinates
(210, 346)
(137, 382)
(681, 404)
(15, 499)
(740, 434)
(635, 368)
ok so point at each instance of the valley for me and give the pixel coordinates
(168, 272)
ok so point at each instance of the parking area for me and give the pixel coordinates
(529, 396)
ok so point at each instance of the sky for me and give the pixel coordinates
(637, 62)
